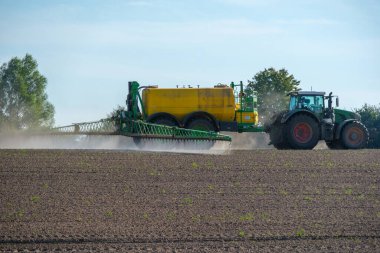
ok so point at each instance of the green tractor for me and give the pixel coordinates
(308, 120)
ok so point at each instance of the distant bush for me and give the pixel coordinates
(371, 119)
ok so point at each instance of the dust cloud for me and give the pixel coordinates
(109, 142)
(240, 141)
(321, 145)
(248, 141)
(40, 141)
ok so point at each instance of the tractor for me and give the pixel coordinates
(308, 120)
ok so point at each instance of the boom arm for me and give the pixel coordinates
(137, 128)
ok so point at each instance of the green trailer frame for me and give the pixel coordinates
(248, 103)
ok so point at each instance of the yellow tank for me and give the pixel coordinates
(180, 102)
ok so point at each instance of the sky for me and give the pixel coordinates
(89, 49)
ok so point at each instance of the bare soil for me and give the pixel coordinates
(247, 201)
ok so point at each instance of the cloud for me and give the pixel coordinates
(245, 2)
(141, 3)
(131, 32)
(309, 21)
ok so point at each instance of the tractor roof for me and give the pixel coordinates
(307, 93)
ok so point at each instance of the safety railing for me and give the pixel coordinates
(143, 129)
(137, 128)
(104, 126)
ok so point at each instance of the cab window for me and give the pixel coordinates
(317, 105)
(312, 103)
(292, 103)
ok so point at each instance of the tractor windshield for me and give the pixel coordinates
(310, 102)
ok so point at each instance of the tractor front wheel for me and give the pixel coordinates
(354, 135)
(302, 132)
(335, 144)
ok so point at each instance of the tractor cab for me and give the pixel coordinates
(307, 100)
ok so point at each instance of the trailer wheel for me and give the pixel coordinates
(354, 135)
(139, 142)
(164, 121)
(201, 124)
(302, 132)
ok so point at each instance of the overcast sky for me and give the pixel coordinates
(89, 49)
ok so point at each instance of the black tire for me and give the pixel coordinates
(201, 124)
(302, 132)
(281, 146)
(335, 144)
(167, 121)
(354, 135)
(276, 136)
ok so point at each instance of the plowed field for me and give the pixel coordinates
(247, 201)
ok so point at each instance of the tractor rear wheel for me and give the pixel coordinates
(302, 132)
(335, 144)
(201, 124)
(354, 135)
(276, 136)
(281, 146)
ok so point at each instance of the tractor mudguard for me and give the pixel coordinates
(274, 120)
(340, 127)
(288, 115)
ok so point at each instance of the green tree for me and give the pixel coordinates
(370, 116)
(115, 111)
(272, 86)
(23, 100)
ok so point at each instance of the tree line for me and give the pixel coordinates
(24, 103)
